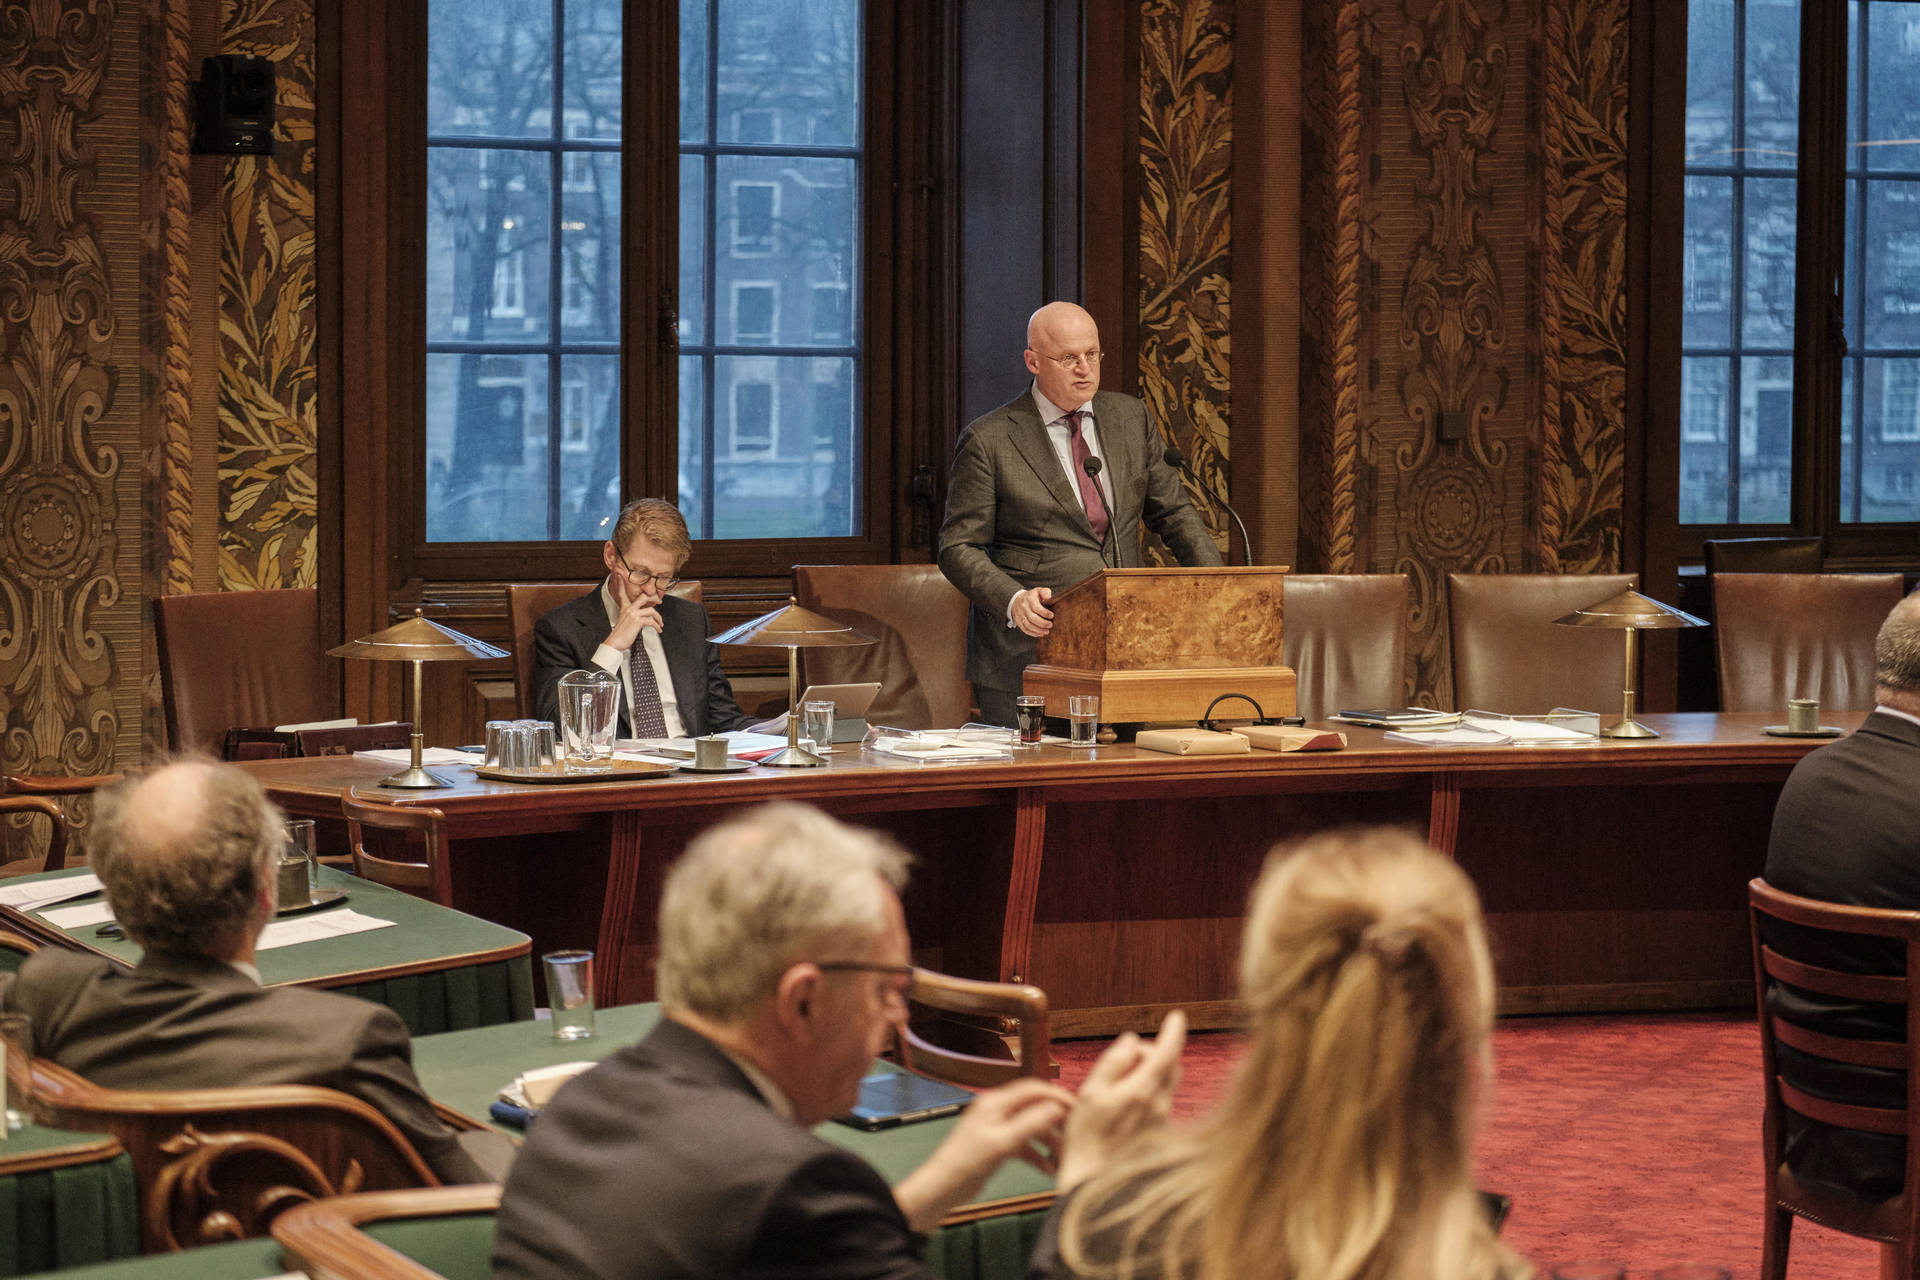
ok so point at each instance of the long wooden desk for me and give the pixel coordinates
(1613, 874)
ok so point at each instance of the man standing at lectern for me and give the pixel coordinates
(1049, 489)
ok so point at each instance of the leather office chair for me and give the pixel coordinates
(528, 602)
(239, 660)
(1799, 635)
(1764, 555)
(449, 1234)
(1896, 1222)
(1507, 654)
(1345, 636)
(420, 830)
(919, 623)
(969, 1049)
(221, 1164)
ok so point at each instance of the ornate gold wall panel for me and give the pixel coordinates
(267, 411)
(69, 533)
(1186, 260)
(1464, 371)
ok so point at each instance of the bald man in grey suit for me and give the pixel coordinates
(1025, 519)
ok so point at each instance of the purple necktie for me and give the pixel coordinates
(1090, 496)
(649, 720)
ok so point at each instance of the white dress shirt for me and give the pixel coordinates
(1060, 436)
(614, 662)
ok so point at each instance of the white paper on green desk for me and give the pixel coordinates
(44, 893)
(313, 928)
(78, 917)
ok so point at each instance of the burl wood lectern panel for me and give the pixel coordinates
(1161, 619)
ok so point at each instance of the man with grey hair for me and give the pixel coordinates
(186, 855)
(783, 971)
(1847, 829)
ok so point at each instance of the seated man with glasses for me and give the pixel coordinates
(783, 970)
(1048, 489)
(629, 626)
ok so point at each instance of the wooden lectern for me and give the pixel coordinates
(1160, 644)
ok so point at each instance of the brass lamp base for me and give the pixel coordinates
(792, 757)
(1628, 729)
(413, 776)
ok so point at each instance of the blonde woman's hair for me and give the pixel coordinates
(1343, 1149)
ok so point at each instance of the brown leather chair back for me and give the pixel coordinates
(1896, 1221)
(214, 1164)
(1764, 555)
(1345, 636)
(239, 660)
(1799, 635)
(527, 602)
(1507, 654)
(919, 624)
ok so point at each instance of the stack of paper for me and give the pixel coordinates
(44, 893)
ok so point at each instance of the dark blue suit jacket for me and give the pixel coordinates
(565, 639)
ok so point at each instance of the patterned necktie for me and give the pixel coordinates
(1090, 495)
(649, 720)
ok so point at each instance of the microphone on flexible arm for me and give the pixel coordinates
(1174, 458)
(1091, 465)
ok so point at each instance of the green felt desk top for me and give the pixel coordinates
(424, 936)
(33, 1141)
(242, 1260)
(466, 1070)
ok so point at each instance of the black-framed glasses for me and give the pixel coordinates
(1091, 359)
(901, 973)
(644, 581)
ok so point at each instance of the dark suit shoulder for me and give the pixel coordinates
(584, 608)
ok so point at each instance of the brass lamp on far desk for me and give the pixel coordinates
(1631, 612)
(793, 629)
(417, 640)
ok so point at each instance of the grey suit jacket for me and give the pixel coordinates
(181, 1022)
(1014, 519)
(565, 640)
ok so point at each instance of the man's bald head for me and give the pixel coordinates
(185, 853)
(1896, 657)
(1062, 331)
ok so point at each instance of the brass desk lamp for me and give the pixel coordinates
(793, 629)
(416, 640)
(1631, 612)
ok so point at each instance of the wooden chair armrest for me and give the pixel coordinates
(324, 1237)
(47, 784)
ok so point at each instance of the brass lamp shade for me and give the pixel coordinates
(792, 628)
(1630, 612)
(417, 640)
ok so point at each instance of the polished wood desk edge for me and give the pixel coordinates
(1694, 740)
(85, 1149)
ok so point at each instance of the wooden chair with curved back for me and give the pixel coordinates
(220, 1164)
(986, 1020)
(918, 621)
(527, 602)
(420, 829)
(46, 795)
(1895, 1222)
(239, 660)
(448, 1233)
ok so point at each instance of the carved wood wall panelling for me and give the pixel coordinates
(267, 351)
(69, 561)
(1464, 267)
(1185, 159)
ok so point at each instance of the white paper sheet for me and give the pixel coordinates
(321, 924)
(44, 893)
(78, 917)
(428, 756)
(1528, 730)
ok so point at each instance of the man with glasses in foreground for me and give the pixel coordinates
(1048, 489)
(783, 971)
(672, 684)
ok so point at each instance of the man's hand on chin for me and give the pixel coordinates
(1022, 1120)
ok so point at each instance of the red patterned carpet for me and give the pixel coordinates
(1633, 1139)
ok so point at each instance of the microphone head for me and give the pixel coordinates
(1174, 458)
(1090, 465)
